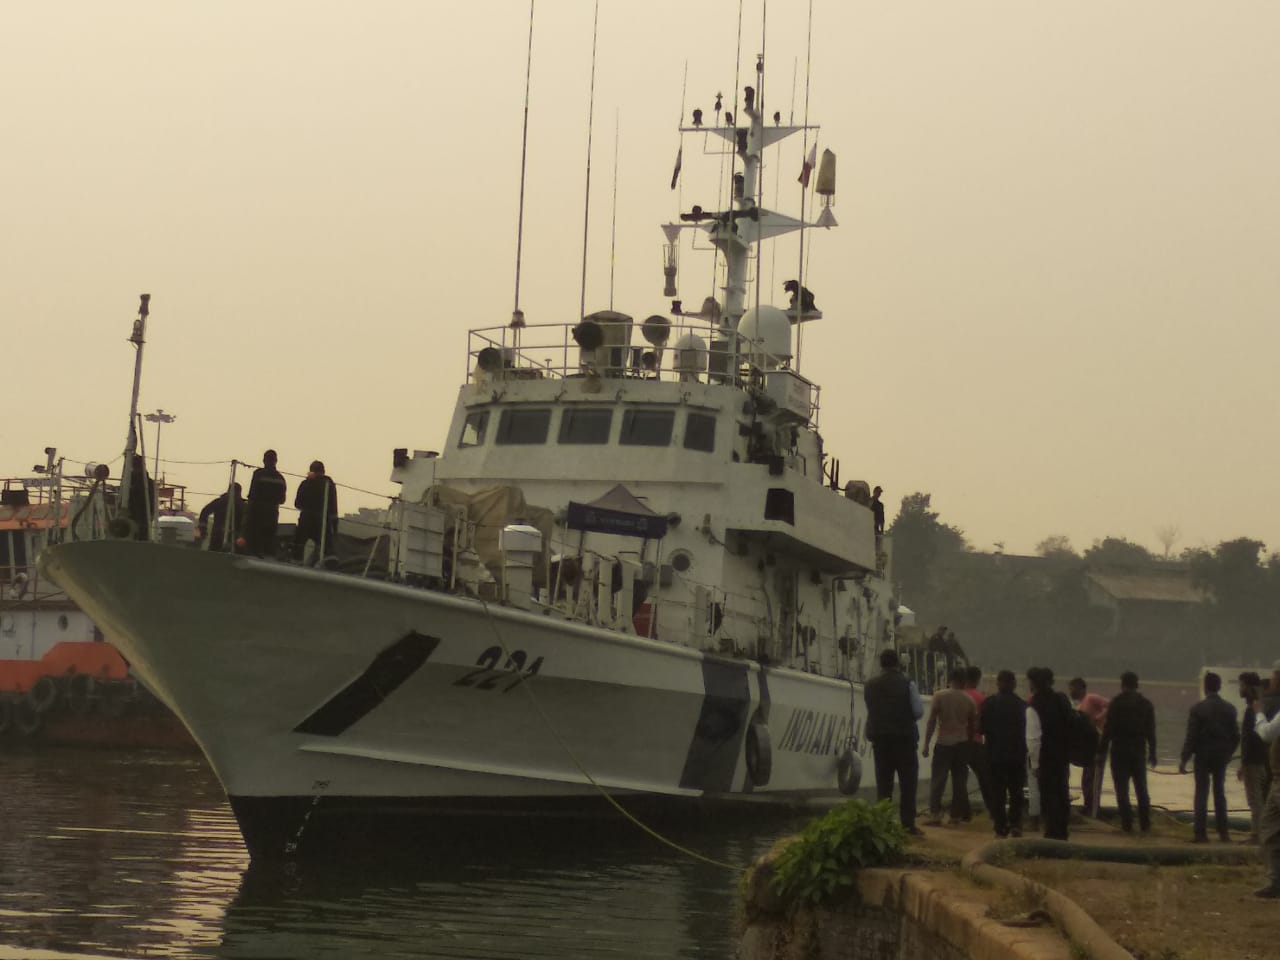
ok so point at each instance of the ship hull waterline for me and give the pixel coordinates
(322, 700)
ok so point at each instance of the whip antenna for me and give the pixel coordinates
(586, 211)
(517, 315)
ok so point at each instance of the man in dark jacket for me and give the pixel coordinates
(1212, 735)
(1003, 722)
(317, 503)
(266, 493)
(893, 707)
(214, 519)
(1130, 732)
(1049, 750)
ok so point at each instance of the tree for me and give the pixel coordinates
(919, 539)
(1119, 552)
(1057, 546)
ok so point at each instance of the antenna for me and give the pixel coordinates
(517, 315)
(586, 206)
(613, 238)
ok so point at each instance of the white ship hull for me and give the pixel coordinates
(313, 693)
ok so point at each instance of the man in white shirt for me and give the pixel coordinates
(1269, 822)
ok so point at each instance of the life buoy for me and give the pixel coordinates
(759, 752)
(80, 693)
(43, 694)
(849, 771)
(26, 718)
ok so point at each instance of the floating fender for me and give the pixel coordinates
(759, 751)
(27, 720)
(80, 693)
(849, 772)
(43, 694)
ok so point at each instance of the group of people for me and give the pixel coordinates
(248, 525)
(999, 738)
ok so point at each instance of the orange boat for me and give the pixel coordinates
(61, 682)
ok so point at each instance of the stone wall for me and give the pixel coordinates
(893, 915)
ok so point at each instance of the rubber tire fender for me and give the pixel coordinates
(81, 693)
(849, 772)
(6, 715)
(27, 720)
(759, 753)
(115, 698)
(43, 694)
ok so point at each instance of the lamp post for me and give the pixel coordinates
(159, 418)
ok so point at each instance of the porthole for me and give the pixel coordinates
(681, 561)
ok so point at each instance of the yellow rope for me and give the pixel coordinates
(590, 779)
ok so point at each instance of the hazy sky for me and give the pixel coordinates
(1051, 301)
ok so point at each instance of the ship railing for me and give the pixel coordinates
(549, 351)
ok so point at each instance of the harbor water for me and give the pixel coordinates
(134, 854)
(114, 853)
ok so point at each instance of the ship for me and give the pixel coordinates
(632, 583)
(61, 682)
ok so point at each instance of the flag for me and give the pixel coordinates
(809, 163)
(675, 174)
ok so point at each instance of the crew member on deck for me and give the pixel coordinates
(877, 510)
(213, 519)
(267, 491)
(317, 503)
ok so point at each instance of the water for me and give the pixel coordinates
(136, 854)
(133, 854)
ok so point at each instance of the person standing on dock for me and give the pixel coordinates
(955, 718)
(976, 755)
(1093, 706)
(317, 503)
(893, 707)
(267, 490)
(1003, 723)
(1269, 822)
(1049, 750)
(1130, 732)
(1212, 735)
(1253, 772)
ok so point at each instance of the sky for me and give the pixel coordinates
(1051, 301)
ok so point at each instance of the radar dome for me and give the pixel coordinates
(770, 330)
(691, 354)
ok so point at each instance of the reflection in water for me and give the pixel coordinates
(133, 854)
(136, 854)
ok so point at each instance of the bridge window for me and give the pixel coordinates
(473, 429)
(523, 426)
(647, 428)
(700, 432)
(585, 426)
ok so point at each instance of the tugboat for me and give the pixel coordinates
(61, 682)
(633, 578)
